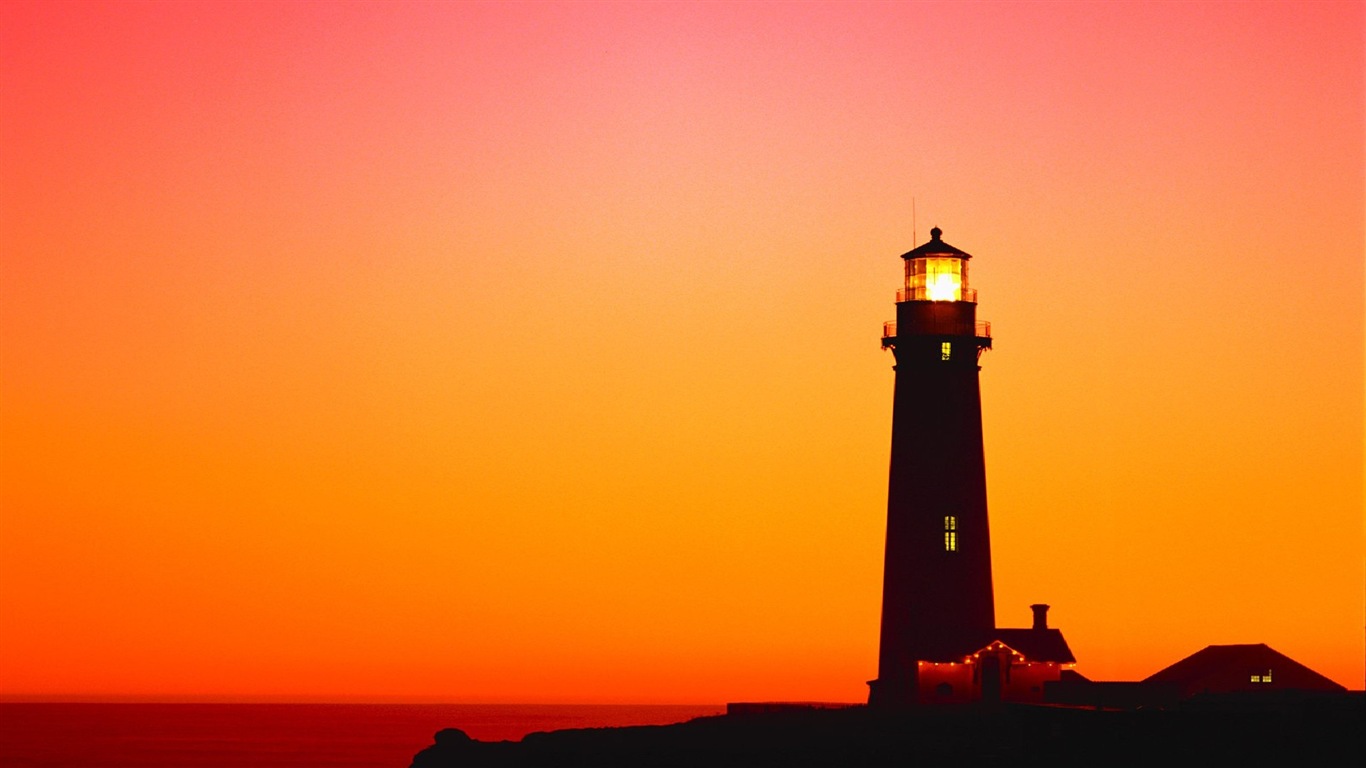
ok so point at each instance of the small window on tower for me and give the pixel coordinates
(950, 534)
(945, 351)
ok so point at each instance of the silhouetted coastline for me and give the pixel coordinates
(1284, 728)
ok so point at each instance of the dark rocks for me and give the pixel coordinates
(451, 738)
(1325, 733)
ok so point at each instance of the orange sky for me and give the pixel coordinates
(529, 352)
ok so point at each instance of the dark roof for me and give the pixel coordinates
(1037, 644)
(1033, 644)
(935, 247)
(1227, 667)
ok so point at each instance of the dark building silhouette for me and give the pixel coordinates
(939, 640)
(1217, 676)
(1255, 668)
(999, 664)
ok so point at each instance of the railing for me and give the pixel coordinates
(981, 329)
(922, 294)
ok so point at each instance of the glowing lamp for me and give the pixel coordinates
(935, 279)
(936, 271)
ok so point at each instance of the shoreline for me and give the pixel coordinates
(1317, 729)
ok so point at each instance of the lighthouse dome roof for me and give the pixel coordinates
(936, 247)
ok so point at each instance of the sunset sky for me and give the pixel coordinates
(530, 352)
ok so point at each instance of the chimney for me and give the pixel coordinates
(1040, 615)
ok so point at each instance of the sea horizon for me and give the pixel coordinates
(414, 700)
(198, 734)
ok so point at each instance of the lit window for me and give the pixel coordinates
(935, 279)
(945, 351)
(950, 534)
(1266, 678)
(944, 279)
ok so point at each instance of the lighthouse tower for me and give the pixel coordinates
(936, 592)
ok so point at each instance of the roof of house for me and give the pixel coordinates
(1218, 661)
(1037, 644)
(1032, 644)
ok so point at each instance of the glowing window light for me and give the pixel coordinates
(935, 279)
(944, 279)
(950, 533)
(945, 351)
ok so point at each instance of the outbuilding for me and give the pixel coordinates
(1252, 668)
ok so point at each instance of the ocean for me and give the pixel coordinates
(63, 735)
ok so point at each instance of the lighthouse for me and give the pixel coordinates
(939, 640)
(936, 589)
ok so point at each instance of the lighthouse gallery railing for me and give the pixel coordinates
(981, 328)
